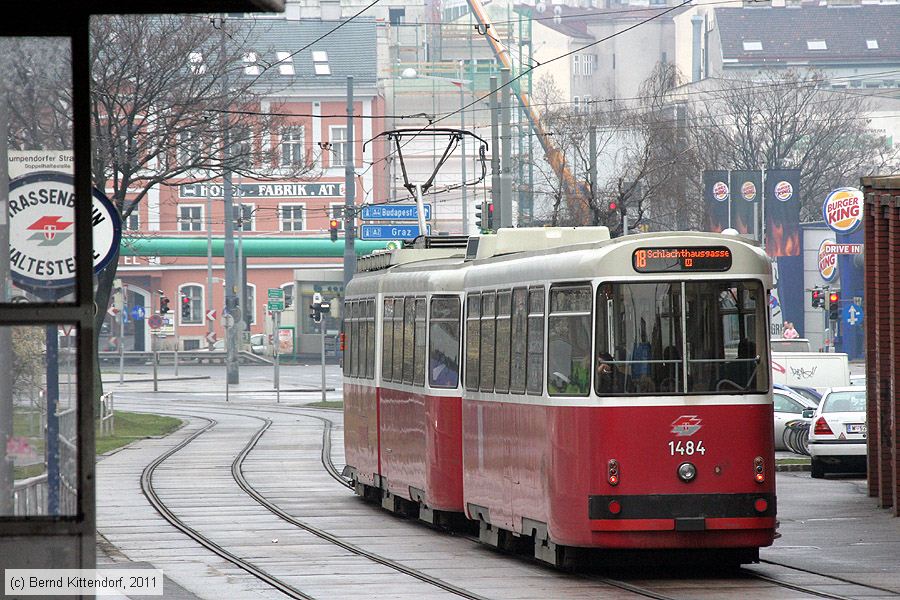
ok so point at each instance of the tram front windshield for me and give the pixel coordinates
(686, 337)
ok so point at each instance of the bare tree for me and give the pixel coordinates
(792, 120)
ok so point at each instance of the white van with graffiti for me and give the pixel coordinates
(820, 370)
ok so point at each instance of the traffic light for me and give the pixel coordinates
(613, 206)
(185, 307)
(817, 298)
(479, 218)
(164, 305)
(333, 229)
(490, 218)
(834, 306)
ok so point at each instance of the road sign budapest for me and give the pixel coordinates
(390, 232)
(393, 212)
(42, 230)
(276, 300)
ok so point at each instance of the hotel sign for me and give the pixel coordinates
(264, 190)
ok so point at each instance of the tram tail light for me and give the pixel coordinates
(759, 469)
(612, 472)
(822, 427)
(343, 341)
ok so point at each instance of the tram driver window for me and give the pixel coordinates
(569, 341)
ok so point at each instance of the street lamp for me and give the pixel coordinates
(411, 73)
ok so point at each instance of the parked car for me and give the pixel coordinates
(789, 406)
(837, 440)
(807, 392)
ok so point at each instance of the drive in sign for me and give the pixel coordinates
(42, 230)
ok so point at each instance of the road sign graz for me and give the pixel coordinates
(390, 232)
(393, 212)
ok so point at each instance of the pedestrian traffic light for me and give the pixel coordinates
(834, 306)
(479, 216)
(333, 229)
(185, 307)
(164, 305)
(817, 298)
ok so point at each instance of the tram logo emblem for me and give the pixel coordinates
(50, 229)
(686, 425)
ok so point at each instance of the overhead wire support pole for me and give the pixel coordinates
(349, 193)
(231, 362)
(504, 219)
(495, 146)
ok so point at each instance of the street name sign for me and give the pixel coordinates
(276, 300)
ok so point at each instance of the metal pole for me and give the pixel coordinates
(322, 331)
(505, 216)
(592, 165)
(177, 343)
(209, 270)
(244, 321)
(762, 209)
(122, 342)
(462, 125)
(52, 420)
(232, 371)
(155, 370)
(349, 192)
(6, 394)
(276, 317)
(420, 209)
(495, 148)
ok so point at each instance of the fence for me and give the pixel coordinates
(107, 418)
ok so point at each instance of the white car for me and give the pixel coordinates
(837, 439)
(789, 406)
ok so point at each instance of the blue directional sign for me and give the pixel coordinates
(393, 212)
(853, 314)
(390, 232)
(137, 313)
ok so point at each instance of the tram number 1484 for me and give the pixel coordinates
(686, 448)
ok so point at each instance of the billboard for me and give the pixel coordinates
(782, 210)
(716, 198)
(746, 191)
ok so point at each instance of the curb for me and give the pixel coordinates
(792, 468)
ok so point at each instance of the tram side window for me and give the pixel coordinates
(443, 363)
(534, 375)
(639, 339)
(501, 374)
(355, 342)
(569, 341)
(361, 335)
(409, 339)
(397, 359)
(726, 337)
(387, 339)
(486, 354)
(473, 339)
(518, 341)
(348, 337)
(419, 367)
(370, 339)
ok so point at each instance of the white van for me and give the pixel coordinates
(820, 370)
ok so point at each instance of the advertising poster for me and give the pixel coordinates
(285, 340)
(746, 191)
(716, 199)
(782, 212)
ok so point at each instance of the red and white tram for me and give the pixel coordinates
(592, 393)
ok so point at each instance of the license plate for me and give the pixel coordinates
(856, 427)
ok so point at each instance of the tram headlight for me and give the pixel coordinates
(687, 472)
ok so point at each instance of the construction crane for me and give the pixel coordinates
(554, 156)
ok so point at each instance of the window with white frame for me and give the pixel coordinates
(588, 64)
(293, 151)
(196, 63)
(250, 309)
(288, 294)
(576, 65)
(190, 217)
(244, 216)
(816, 45)
(132, 222)
(320, 62)
(241, 145)
(338, 138)
(190, 312)
(752, 45)
(872, 44)
(586, 100)
(293, 217)
(285, 63)
(336, 211)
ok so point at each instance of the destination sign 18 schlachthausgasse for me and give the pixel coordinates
(674, 260)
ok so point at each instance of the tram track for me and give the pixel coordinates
(329, 467)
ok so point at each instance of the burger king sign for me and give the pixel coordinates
(827, 261)
(843, 209)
